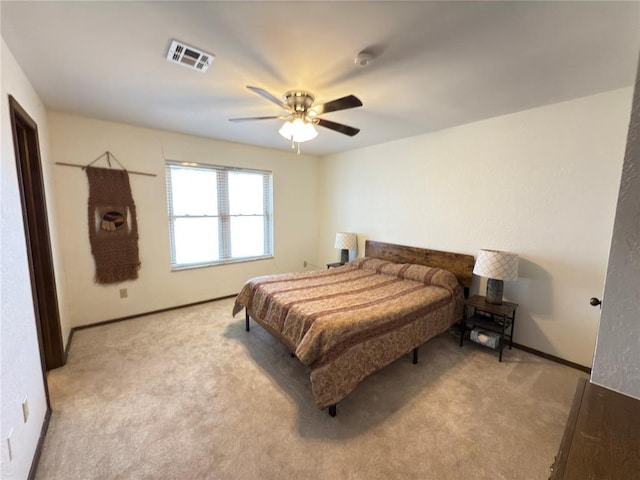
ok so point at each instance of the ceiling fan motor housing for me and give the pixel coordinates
(299, 100)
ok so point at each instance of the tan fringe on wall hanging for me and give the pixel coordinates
(113, 230)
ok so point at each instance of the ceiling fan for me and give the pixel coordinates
(302, 114)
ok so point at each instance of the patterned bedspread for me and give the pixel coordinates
(347, 322)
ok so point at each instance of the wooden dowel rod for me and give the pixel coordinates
(84, 166)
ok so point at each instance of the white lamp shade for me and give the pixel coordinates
(298, 131)
(496, 264)
(346, 241)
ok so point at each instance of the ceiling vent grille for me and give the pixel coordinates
(190, 57)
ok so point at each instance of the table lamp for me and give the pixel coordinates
(497, 266)
(345, 242)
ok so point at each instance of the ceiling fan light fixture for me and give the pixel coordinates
(298, 131)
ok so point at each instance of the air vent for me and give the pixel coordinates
(190, 57)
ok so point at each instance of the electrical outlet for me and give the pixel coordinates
(10, 444)
(124, 293)
(25, 410)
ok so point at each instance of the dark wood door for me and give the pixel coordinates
(34, 211)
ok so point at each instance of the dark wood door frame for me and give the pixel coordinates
(36, 225)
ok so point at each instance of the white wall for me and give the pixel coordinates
(617, 359)
(21, 368)
(541, 183)
(81, 140)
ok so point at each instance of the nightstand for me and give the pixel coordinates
(500, 319)
(335, 264)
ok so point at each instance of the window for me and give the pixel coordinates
(218, 214)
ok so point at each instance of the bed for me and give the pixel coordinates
(347, 322)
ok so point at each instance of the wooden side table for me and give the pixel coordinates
(500, 319)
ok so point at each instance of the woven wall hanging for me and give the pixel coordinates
(113, 230)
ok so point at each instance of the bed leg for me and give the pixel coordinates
(415, 355)
(246, 319)
(332, 410)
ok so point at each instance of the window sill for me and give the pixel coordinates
(230, 261)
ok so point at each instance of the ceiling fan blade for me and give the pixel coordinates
(263, 93)
(338, 127)
(248, 119)
(350, 101)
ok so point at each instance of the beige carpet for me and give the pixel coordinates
(189, 394)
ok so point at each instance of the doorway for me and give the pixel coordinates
(34, 212)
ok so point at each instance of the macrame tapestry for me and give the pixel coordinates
(113, 230)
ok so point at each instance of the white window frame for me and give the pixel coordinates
(224, 217)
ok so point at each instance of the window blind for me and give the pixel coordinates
(218, 214)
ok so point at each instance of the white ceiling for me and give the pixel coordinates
(438, 64)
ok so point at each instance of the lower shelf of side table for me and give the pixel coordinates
(493, 325)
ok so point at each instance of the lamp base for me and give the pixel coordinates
(344, 256)
(494, 291)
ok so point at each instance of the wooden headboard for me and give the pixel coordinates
(460, 264)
